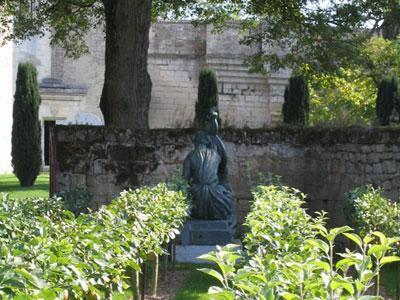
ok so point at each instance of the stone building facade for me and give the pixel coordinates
(71, 88)
(178, 51)
(37, 51)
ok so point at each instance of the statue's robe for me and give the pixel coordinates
(211, 200)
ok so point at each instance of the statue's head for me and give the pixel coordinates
(213, 113)
(202, 138)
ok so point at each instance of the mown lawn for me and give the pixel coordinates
(195, 287)
(390, 279)
(10, 184)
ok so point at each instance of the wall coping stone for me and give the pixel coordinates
(323, 136)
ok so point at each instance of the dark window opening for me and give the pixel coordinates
(47, 126)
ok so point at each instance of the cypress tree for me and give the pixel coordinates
(26, 132)
(207, 96)
(387, 100)
(296, 102)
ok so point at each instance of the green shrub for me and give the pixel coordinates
(26, 133)
(47, 253)
(296, 105)
(368, 211)
(285, 227)
(343, 99)
(207, 97)
(76, 200)
(386, 101)
(289, 255)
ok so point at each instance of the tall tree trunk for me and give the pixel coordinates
(391, 23)
(127, 86)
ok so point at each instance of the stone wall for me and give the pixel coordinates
(323, 163)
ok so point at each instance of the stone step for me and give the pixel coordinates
(234, 67)
(190, 253)
(229, 73)
(242, 80)
(212, 60)
(242, 71)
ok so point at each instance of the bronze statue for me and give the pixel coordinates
(205, 168)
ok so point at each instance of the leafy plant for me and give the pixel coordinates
(296, 105)
(207, 96)
(26, 133)
(368, 210)
(289, 255)
(381, 58)
(48, 253)
(343, 99)
(279, 207)
(76, 200)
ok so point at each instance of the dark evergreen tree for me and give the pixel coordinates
(296, 104)
(397, 99)
(386, 101)
(26, 133)
(207, 96)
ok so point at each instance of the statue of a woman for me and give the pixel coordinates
(206, 171)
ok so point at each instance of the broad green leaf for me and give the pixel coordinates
(389, 259)
(323, 265)
(355, 238)
(290, 296)
(368, 239)
(319, 244)
(213, 273)
(209, 257)
(218, 293)
(377, 250)
(342, 283)
(382, 238)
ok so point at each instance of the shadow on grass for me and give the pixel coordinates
(195, 286)
(9, 184)
(12, 188)
(389, 278)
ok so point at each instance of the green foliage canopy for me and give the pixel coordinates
(380, 58)
(68, 21)
(347, 97)
(325, 34)
(343, 99)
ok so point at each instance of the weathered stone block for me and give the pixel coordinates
(207, 232)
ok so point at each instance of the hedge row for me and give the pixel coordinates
(290, 255)
(48, 253)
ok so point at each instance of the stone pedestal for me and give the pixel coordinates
(200, 237)
(190, 254)
(207, 232)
